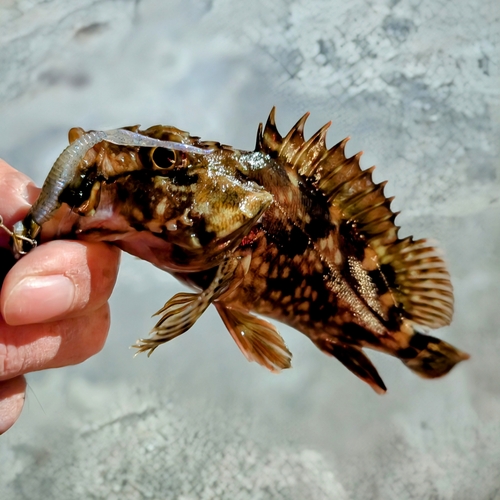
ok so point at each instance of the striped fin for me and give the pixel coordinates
(257, 339)
(414, 270)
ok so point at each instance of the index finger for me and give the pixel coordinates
(17, 193)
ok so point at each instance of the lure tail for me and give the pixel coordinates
(430, 357)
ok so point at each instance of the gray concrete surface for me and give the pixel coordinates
(416, 85)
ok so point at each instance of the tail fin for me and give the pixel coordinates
(430, 357)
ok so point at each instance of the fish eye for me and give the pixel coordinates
(163, 157)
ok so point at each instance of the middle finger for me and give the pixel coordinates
(29, 348)
(59, 279)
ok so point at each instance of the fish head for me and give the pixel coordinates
(196, 206)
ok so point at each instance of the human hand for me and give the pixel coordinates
(53, 302)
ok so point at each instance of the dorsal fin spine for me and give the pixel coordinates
(297, 131)
(271, 133)
(422, 283)
(337, 190)
(372, 216)
(293, 141)
(259, 144)
(311, 151)
(376, 191)
(352, 200)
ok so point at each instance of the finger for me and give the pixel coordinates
(18, 192)
(29, 348)
(12, 394)
(59, 279)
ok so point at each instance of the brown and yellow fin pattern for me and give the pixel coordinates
(355, 360)
(430, 357)
(257, 339)
(182, 311)
(415, 274)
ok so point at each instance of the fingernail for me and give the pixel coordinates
(37, 299)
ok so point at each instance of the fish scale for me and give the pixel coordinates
(292, 231)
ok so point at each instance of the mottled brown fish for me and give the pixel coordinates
(292, 231)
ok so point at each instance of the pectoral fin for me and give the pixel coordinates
(258, 340)
(182, 311)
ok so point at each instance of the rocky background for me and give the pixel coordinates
(416, 84)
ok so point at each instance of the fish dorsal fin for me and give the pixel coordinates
(414, 271)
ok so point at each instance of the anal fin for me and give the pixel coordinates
(354, 360)
(257, 339)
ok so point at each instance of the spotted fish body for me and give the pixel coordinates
(293, 231)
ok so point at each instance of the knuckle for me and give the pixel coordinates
(11, 360)
(101, 332)
(92, 331)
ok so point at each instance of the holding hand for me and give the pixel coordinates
(53, 302)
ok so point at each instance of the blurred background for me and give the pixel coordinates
(416, 84)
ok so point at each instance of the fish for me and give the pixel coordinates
(292, 231)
